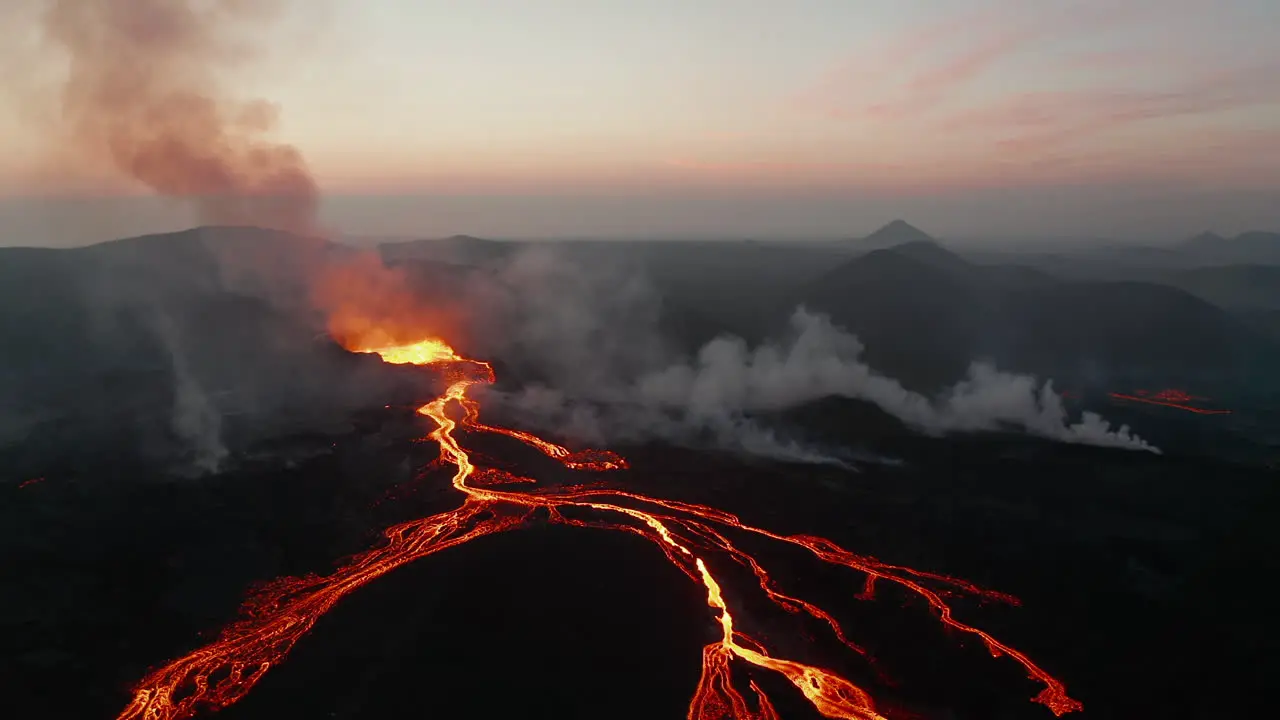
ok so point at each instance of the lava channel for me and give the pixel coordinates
(280, 613)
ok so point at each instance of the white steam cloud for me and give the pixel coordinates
(820, 360)
(593, 341)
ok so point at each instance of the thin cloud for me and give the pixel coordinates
(840, 94)
(917, 71)
(930, 87)
(1037, 122)
(931, 90)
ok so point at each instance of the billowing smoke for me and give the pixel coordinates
(819, 360)
(143, 93)
(144, 90)
(601, 371)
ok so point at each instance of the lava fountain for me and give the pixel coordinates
(688, 535)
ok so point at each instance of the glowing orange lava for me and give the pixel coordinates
(1178, 399)
(689, 535)
(427, 352)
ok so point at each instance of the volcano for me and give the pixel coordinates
(898, 232)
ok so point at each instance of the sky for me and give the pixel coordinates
(1145, 119)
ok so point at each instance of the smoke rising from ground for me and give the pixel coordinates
(143, 93)
(195, 418)
(818, 360)
(591, 338)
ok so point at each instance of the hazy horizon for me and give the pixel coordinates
(71, 222)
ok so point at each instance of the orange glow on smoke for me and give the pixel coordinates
(369, 305)
(689, 535)
(1178, 399)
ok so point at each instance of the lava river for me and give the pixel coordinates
(274, 618)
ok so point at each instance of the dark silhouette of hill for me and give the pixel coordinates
(932, 254)
(1258, 240)
(1130, 329)
(129, 339)
(457, 249)
(897, 232)
(1244, 287)
(925, 313)
(1207, 239)
(1002, 276)
(919, 310)
(834, 421)
(1253, 247)
(1126, 261)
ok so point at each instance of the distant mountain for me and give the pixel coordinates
(460, 249)
(932, 254)
(924, 314)
(1130, 329)
(1205, 240)
(1254, 247)
(898, 232)
(1257, 241)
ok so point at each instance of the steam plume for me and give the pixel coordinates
(142, 93)
(603, 373)
(820, 360)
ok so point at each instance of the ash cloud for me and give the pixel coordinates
(143, 93)
(588, 336)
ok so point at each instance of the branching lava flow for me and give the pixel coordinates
(688, 534)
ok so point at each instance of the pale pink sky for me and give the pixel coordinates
(684, 112)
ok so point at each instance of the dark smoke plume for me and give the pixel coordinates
(142, 92)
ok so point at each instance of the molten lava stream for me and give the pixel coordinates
(278, 615)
